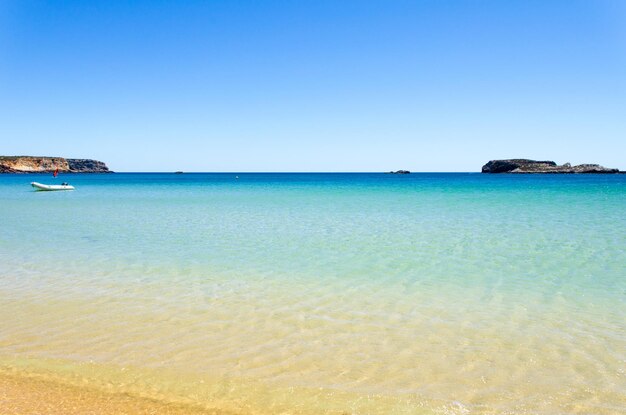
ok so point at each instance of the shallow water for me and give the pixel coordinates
(322, 293)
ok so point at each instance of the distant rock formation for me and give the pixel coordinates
(400, 172)
(87, 166)
(533, 166)
(30, 164)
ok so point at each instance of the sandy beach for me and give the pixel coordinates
(313, 207)
(314, 294)
(26, 395)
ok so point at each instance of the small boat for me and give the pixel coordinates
(50, 187)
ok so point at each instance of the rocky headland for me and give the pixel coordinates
(31, 164)
(534, 166)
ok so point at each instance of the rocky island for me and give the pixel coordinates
(31, 164)
(533, 166)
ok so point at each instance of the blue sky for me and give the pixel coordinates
(313, 85)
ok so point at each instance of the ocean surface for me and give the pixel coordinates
(321, 293)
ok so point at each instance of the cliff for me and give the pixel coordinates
(30, 164)
(87, 166)
(533, 166)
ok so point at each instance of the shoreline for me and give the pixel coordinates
(29, 394)
(292, 295)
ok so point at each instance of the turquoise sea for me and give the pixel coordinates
(322, 293)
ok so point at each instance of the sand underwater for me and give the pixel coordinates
(313, 294)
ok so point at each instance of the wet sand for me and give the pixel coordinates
(30, 395)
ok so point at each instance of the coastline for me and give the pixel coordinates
(29, 394)
(310, 295)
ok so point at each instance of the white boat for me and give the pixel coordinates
(50, 187)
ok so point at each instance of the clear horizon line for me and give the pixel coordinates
(285, 172)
